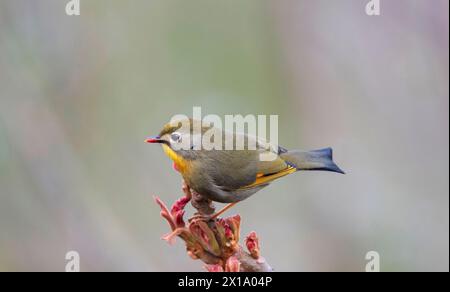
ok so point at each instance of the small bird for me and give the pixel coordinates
(230, 176)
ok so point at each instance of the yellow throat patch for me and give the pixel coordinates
(179, 161)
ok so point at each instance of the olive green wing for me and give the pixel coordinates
(242, 169)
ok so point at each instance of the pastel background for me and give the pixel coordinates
(78, 95)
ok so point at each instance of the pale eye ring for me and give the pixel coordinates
(175, 137)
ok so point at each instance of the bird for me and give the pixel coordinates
(231, 176)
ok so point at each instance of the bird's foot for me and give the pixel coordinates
(200, 217)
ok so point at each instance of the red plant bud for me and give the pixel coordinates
(252, 243)
(179, 205)
(177, 211)
(179, 221)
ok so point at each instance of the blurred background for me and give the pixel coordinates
(78, 96)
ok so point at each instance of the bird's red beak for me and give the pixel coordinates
(154, 139)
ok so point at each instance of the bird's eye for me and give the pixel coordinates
(175, 137)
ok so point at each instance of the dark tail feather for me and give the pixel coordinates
(312, 160)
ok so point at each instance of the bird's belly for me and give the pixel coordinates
(218, 194)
